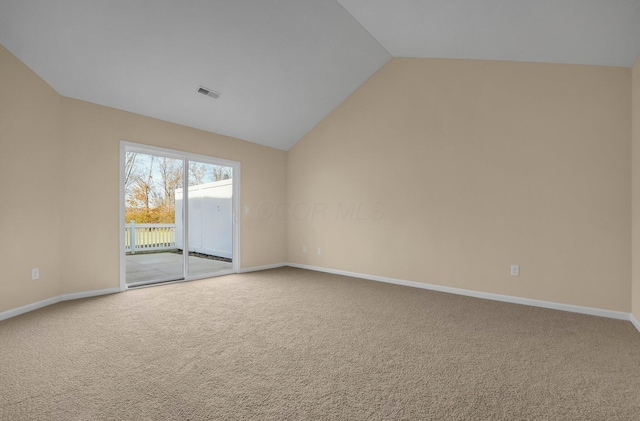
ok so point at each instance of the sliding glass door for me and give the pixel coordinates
(178, 216)
(151, 181)
(210, 218)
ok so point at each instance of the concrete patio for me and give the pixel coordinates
(167, 265)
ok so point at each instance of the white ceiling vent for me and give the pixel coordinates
(208, 92)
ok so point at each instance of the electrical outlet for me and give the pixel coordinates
(35, 274)
(515, 270)
(304, 249)
(319, 250)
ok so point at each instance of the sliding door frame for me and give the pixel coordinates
(126, 146)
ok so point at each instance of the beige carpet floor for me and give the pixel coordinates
(289, 344)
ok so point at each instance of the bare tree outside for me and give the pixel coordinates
(219, 173)
(130, 168)
(170, 180)
(197, 172)
(151, 183)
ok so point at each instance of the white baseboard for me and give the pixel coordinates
(477, 294)
(265, 267)
(54, 300)
(459, 291)
(635, 321)
(87, 294)
(29, 307)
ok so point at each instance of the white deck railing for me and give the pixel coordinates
(148, 237)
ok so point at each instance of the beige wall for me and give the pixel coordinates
(437, 171)
(59, 200)
(91, 137)
(31, 186)
(636, 186)
(461, 168)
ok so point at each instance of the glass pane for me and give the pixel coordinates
(153, 225)
(210, 218)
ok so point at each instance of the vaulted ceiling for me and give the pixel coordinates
(281, 66)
